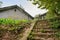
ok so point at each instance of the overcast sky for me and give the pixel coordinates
(27, 5)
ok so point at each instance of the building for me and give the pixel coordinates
(43, 16)
(40, 17)
(14, 12)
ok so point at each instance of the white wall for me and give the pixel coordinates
(14, 14)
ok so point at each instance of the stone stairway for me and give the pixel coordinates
(42, 31)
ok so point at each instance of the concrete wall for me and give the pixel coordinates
(15, 14)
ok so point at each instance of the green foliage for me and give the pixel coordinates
(5, 21)
(57, 34)
(42, 30)
(50, 15)
(48, 4)
(55, 23)
(15, 28)
(11, 24)
(24, 21)
(53, 6)
(30, 36)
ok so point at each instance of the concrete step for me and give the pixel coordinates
(37, 38)
(45, 30)
(41, 38)
(40, 33)
(43, 34)
(38, 27)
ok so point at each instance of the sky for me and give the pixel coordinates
(27, 5)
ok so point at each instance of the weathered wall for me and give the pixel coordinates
(14, 14)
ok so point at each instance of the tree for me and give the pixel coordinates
(50, 15)
(54, 10)
(52, 5)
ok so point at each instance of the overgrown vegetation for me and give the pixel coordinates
(11, 24)
(55, 23)
(57, 34)
(7, 21)
(14, 29)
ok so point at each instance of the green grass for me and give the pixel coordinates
(7, 21)
(11, 24)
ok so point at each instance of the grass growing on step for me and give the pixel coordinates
(57, 34)
(42, 30)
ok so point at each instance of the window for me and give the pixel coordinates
(15, 10)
